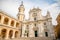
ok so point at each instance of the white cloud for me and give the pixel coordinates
(11, 7)
(54, 11)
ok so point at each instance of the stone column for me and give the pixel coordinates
(7, 35)
(13, 36)
(18, 34)
(15, 24)
(2, 20)
(9, 22)
(0, 33)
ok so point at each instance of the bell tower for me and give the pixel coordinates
(21, 12)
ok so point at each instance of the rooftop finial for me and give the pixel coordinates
(48, 13)
(21, 2)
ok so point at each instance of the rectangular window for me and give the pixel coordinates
(34, 18)
(46, 34)
(36, 34)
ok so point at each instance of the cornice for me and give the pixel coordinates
(9, 27)
(38, 21)
(6, 14)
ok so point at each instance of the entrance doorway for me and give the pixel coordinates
(36, 34)
(58, 34)
(46, 34)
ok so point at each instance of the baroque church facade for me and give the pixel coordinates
(36, 26)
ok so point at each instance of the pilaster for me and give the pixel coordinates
(9, 22)
(2, 20)
(7, 35)
(13, 36)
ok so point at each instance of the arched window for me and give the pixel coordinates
(16, 34)
(0, 17)
(10, 33)
(3, 33)
(17, 24)
(6, 20)
(12, 23)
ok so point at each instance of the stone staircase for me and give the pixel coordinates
(29, 38)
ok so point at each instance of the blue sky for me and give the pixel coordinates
(11, 7)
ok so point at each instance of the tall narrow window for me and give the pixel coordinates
(0, 17)
(36, 34)
(12, 23)
(27, 27)
(6, 20)
(17, 24)
(46, 34)
(35, 18)
(27, 30)
(35, 24)
(27, 34)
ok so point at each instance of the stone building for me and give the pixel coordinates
(36, 26)
(57, 27)
(9, 26)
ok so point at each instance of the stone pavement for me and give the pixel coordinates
(30, 38)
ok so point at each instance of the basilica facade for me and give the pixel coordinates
(36, 26)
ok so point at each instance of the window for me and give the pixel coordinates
(12, 23)
(17, 24)
(35, 18)
(27, 34)
(34, 14)
(46, 34)
(44, 23)
(6, 20)
(27, 31)
(35, 24)
(36, 34)
(0, 17)
(27, 27)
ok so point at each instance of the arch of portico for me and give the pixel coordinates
(9, 27)
(10, 33)
(16, 34)
(3, 33)
(6, 34)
